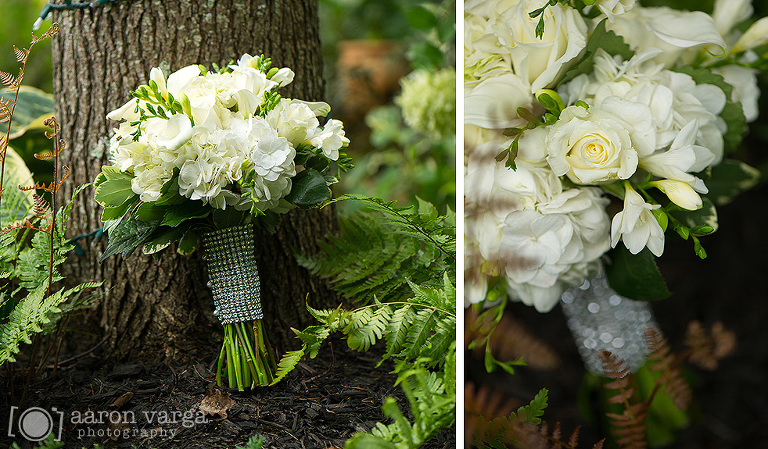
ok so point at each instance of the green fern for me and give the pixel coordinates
(26, 310)
(379, 252)
(399, 264)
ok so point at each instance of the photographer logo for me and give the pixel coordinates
(35, 423)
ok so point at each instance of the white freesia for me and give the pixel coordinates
(756, 35)
(682, 158)
(331, 139)
(745, 89)
(636, 225)
(680, 193)
(156, 75)
(729, 13)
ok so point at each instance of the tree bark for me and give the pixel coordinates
(161, 310)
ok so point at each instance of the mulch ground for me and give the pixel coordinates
(321, 404)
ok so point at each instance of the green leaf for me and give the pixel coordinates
(188, 243)
(185, 211)
(162, 238)
(706, 215)
(127, 236)
(533, 412)
(309, 189)
(636, 276)
(117, 212)
(228, 218)
(112, 193)
(169, 193)
(32, 107)
(609, 41)
(729, 178)
(368, 441)
(421, 18)
(114, 174)
(150, 212)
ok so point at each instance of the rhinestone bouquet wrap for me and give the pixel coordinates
(601, 319)
(233, 274)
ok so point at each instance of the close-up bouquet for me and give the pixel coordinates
(204, 156)
(595, 133)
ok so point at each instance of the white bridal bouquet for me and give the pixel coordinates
(594, 130)
(205, 155)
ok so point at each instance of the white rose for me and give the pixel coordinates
(180, 78)
(636, 225)
(593, 146)
(540, 61)
(293, 120)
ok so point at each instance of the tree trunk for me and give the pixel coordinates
(159, 310)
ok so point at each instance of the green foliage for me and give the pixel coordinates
(255, 442)
(432, 403)
(600, 38)
(728, 179)
(533, 412)
(636, 276)
(404, 163)
(377, 253)
(48, 443)
(28, 308)
(400, 263)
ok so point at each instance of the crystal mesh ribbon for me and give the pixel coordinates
(233, 276)
(601, 319)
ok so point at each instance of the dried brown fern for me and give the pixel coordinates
(707, 348)
(481, 405)
(667, 363)
(509, 340)
(629, 425)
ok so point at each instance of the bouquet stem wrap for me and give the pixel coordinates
(601, 319)
(234, 282)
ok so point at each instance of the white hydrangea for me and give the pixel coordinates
(428, 101)
(524, 225)
(220, 137)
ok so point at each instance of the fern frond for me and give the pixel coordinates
(668, 365)
(629, 425)
(21, 54)
(287, 364)
(7, 78)
(30, 315)
(707, 348)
